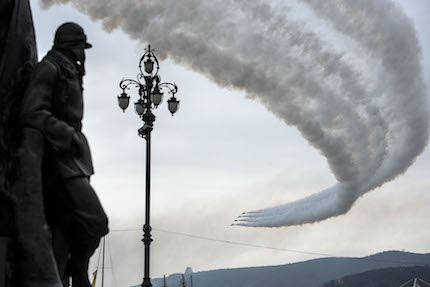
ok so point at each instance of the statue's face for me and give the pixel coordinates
(80, 58)
(76, 53)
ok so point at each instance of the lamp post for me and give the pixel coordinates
(150, 91)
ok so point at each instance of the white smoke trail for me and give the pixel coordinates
(359, 99)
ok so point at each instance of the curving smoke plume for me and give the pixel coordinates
(346, 73)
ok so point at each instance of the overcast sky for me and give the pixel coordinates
(220, 155)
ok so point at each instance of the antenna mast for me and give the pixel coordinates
(164, 281)
(103, 262)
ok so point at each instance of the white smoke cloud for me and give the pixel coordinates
(348, 77)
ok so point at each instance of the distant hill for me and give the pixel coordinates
(388, 277)
(312, 273)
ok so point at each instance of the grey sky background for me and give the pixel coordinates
(220, 155)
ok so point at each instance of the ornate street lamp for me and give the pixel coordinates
(151, 93)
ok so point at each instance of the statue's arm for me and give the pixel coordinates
(37, 108)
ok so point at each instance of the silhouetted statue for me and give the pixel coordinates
(53, 105)
(45, 161)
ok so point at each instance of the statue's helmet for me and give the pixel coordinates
(71, 36)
